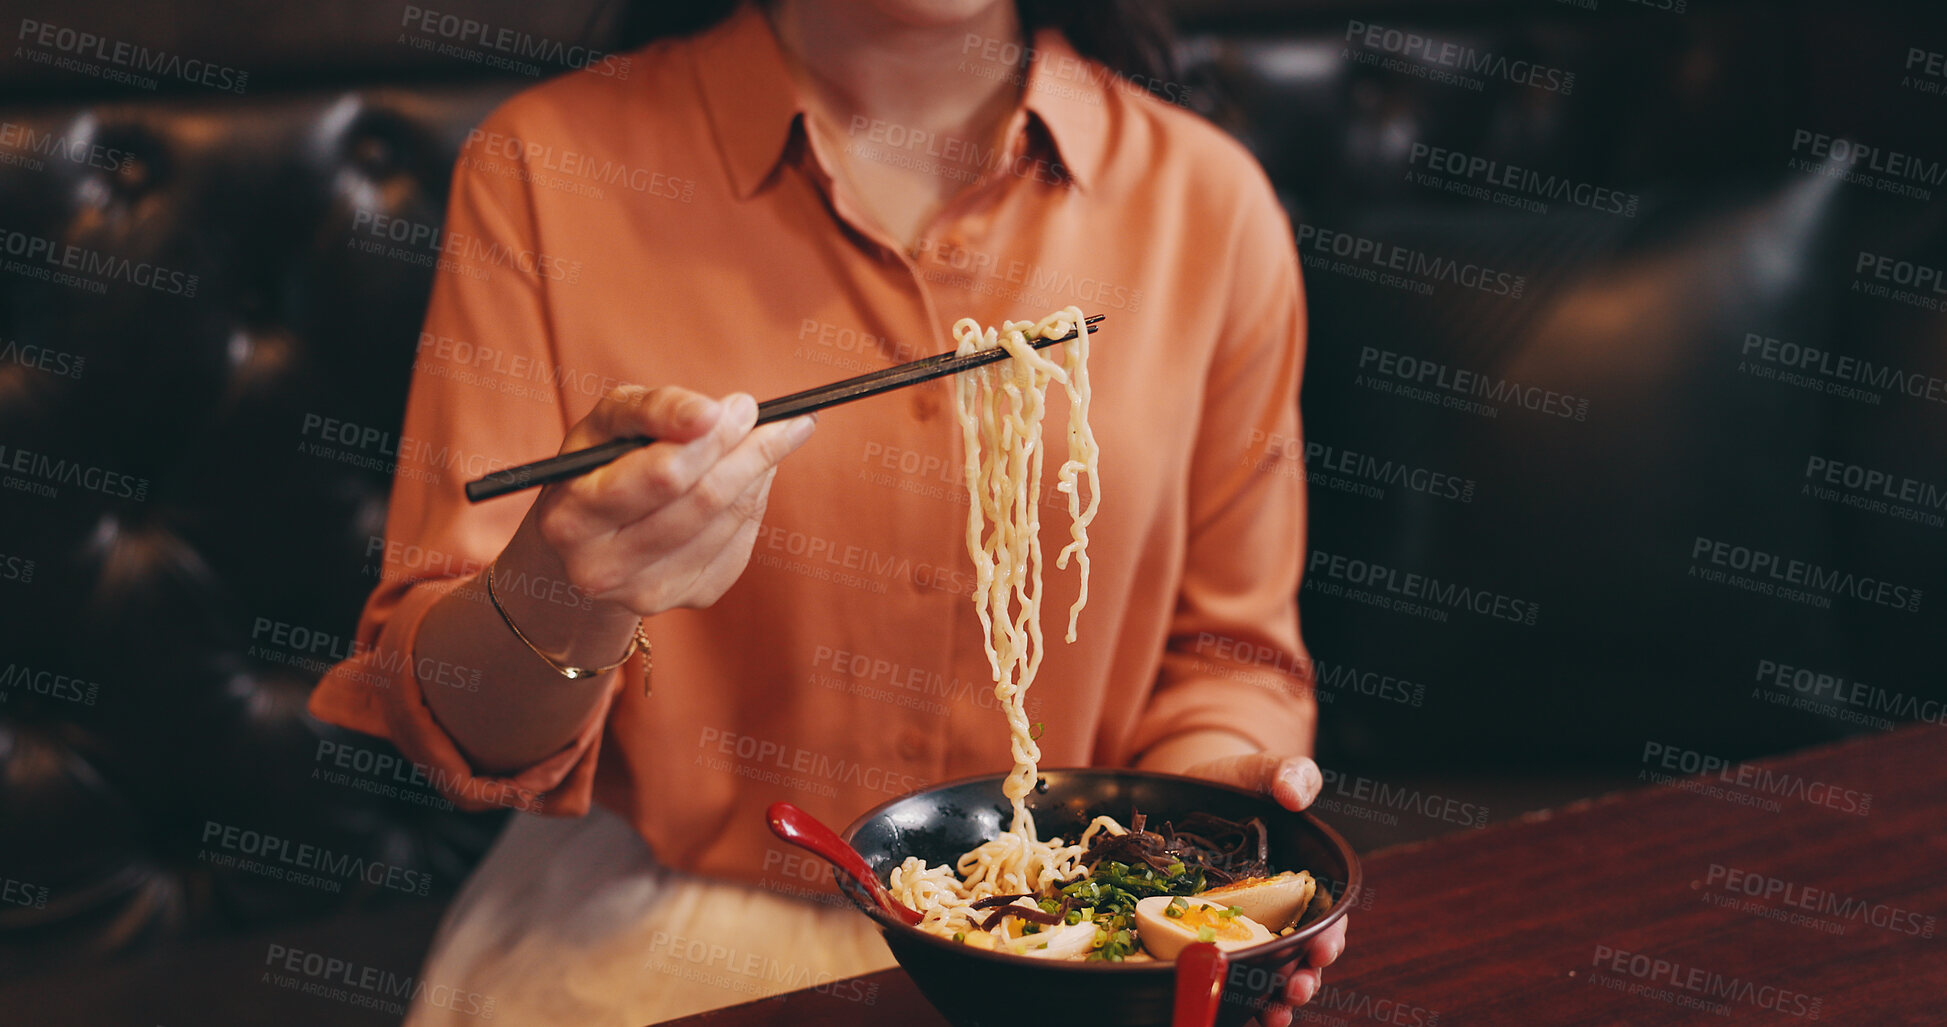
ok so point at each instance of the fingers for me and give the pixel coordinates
(728, 563)
(723, 541)
(669, 412)
(1302, 985)
(643, 482)
(646, 529)
(1328, 946)
(1293, 781)
(723, 489)
(731, 477)
(1246, 771)
(691, 550)
(1297, 782)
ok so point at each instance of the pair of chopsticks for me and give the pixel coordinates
(581, 461)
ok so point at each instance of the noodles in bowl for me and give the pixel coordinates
(1127, 893)
(966, 983)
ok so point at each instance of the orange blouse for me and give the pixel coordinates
(679, 225)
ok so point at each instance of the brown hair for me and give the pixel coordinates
(1132, 37)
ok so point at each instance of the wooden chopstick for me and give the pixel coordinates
(581, 461)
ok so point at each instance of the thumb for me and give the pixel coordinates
(1294, 781)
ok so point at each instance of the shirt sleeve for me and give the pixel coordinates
(1234, 659)
(482, 398)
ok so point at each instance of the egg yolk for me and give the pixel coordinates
(1202, 915)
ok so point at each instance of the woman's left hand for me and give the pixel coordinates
(1294, 781)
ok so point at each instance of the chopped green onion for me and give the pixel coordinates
(1234, 911)
(1038, 728)
(1206, 934)
(1074, 917)
(960, 936)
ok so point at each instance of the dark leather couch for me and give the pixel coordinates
(192, 527)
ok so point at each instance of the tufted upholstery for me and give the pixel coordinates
(195, 597)
(210, 534)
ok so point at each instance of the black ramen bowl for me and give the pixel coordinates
(976, 988)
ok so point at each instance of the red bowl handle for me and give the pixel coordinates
(1200, 971)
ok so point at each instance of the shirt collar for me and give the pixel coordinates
(1069, 96)
(753, 105)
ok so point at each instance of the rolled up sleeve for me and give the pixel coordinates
(1235, 661)
(468, 414)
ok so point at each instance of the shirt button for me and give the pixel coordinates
(913, 744)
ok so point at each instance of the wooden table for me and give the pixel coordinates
(1799, 887)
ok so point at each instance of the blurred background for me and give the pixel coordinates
(1626, 340)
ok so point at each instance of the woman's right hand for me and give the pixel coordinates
(671, 524)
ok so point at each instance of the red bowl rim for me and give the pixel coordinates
(1354, 874)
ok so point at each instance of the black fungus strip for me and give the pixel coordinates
(1035, 915)
(1000, 900)
(1224, 850)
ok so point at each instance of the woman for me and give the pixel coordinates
(809, 189)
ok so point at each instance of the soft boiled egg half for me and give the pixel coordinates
(1060, 941)
(1275, 901)
(1167, 923)
(1235, 916)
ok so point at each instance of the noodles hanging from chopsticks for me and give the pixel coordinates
(1001, 410)
(1001, 407)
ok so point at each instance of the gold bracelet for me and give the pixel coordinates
(640, 643)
